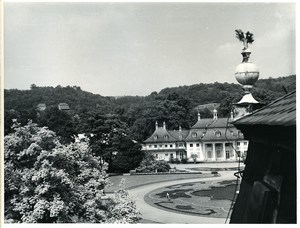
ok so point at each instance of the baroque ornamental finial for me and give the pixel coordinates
(245, 38)
(247, 72)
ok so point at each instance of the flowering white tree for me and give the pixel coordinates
(46, 181)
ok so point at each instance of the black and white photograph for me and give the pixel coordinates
(153, 112)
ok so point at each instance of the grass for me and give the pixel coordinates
(217, 193)
(140, 180)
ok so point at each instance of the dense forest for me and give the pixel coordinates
(136, 114)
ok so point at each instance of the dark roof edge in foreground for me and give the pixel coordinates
(264, 107)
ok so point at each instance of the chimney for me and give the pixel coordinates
(231, 114)
(215, 112)
(199, 117)
(179, 128)
(164, 125)
(156, 125)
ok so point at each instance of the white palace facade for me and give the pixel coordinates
(209, 140)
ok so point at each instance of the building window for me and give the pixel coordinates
(150, 146)
(191, 145)
(208, 145)
(171, 145)
(166, 136)
(218, 153)
(181, 155)
(180, 144)
(160, 145)
(155, 137)
(245, 143)
(166, 155)
(227, 154)
(194, 135)
(171, 155)
(238, 143)
(208, 154)
(197, 145)
(155, 146)
(166, 145)
(219, 145)
(218, 134)
(156, 155)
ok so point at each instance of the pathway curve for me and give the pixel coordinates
(157, 215)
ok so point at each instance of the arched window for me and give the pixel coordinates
(218, 134)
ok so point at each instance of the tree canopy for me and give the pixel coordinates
(176, 106)
(46, 181)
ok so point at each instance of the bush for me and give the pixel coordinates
(149, 164)
(176, 161)
(184, 160)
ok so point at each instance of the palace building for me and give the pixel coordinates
(213, 139)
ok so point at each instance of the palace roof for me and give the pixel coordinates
(222, 135)
(212, 123)
(179, 135)
(213, 134)
(161, 135)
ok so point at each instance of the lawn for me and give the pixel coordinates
(139, 180)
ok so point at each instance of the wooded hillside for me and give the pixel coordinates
(175, 106)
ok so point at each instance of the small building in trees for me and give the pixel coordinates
(268, 188)
(41, 107)
(63, 107)
(209, 140)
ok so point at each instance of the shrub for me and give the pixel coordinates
(149, 164)
(184, 160)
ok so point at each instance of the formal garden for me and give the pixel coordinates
(203, 198)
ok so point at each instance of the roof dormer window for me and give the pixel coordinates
(194, 135)
(218, 134)
(180, 136)
(166, 136)
(155, 137)
(240, 134)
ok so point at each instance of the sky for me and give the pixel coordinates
(116, 49)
